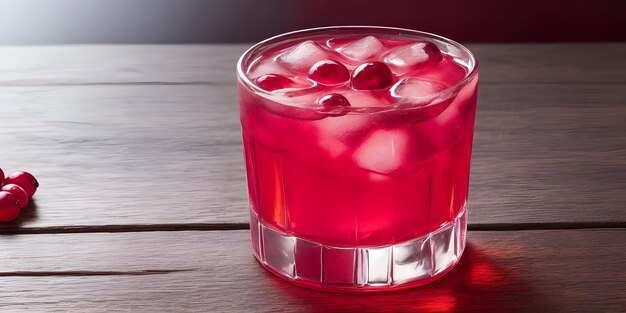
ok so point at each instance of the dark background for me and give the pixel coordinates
(205, 21)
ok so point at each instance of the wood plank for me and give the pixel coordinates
(549, 152)
(144, 154)
(126, 155)
(93, 64)
(527, 271)
(552, 63)
(215, 64)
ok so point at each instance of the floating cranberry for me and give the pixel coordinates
(434, 54)
(334, 100)
(414, 55)
(25, 180)
(328, 72)
(372, 76)
(271, 82)
(19, 192)
(428, 52)
(9, 206)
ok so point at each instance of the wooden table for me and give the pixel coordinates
(142, 204)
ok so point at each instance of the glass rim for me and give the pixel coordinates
(436, 98)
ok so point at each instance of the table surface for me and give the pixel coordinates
(142, 204)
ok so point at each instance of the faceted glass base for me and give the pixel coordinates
(360, 269)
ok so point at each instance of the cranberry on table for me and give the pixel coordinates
(19, 192)
(372, 76)
(9, 206)
(329, 72)
(25, 180)
(1, 177)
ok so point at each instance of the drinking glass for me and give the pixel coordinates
(366, 197)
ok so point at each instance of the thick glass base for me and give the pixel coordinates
(359, 269)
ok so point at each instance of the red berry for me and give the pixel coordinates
(328, 72)
(9, 206)
(19, 192)
(333, 100)
(434, 54)
(415, 55)
(25, 180)
(1, 177)
(372, 76)
(271, 82)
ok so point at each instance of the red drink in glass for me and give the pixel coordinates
(357, 147)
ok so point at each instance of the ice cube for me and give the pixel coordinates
(264, 66)
(385, 151)
(337, 133)
(461, 108)
(362, 49)
(443, 129)
(366, 99)
(294, 103)
(447, 72)
(413, 54)
(302, 56)
(417, 89)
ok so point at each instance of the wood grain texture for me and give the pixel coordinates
(119, 64)
(215, 64)
(600, 63)
(126, 154)
(549, 153)
(525, 271)
(145, 154)
(143, 138)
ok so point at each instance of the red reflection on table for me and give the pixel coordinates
(439, 303)
(476, 284)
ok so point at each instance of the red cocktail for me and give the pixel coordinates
(357, 146)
